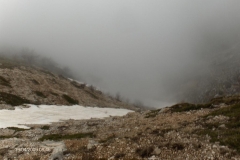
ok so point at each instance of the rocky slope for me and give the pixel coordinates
(23, 84)
(183, 131)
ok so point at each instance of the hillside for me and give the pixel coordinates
(29, 84)
(182, 131)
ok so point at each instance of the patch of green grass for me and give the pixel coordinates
(152, 113)
(4, 82)
(45, 127)
(12, 99)
(58, 137)
(229, 100)
(5, 137)
(40, 94)
(17, 129)
(69, 99)
(229, 136)
(231, 111)
(183, 107)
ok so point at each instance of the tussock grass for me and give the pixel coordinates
(144, 151)
(69, 99)
(35, 82)
(4, 82)
(152, 113)
(183, 107)
(40, 94)
(45, 127)
(229, 136)
(229, 100)
(5, 137)
(17, 129)
(58, 137)
(12, 99)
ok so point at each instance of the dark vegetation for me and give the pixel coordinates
(77, 85)
(183, 107)
(164, 131)
(176, 146)
(69, 99)
(53, 93)
(12, 99)
(144, 152)
(40, 94)
(3, 151)
(35, 82)
(229, 100)
(59, 137)
(152, 113)
(230, 135)
(91, 94)
(119, 155)
(17, 129)
(62, 128)
(45, 127)
(4, 82)
(5, 137)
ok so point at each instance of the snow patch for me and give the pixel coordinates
(45, 114)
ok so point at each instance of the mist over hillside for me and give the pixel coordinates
(30, 58)
(155, 52)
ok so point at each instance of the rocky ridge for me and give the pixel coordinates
(24, 84)
(158, 134)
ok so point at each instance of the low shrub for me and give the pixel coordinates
(183, 107)
(4, 82)
(40, 94)
(12, 99)
(45, 127)
(69, 99)
(58, 137)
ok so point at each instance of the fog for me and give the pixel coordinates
(144, 50)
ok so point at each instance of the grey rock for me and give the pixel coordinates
(91, 144)
(222, 126)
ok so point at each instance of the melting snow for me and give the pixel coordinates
(45, 114)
